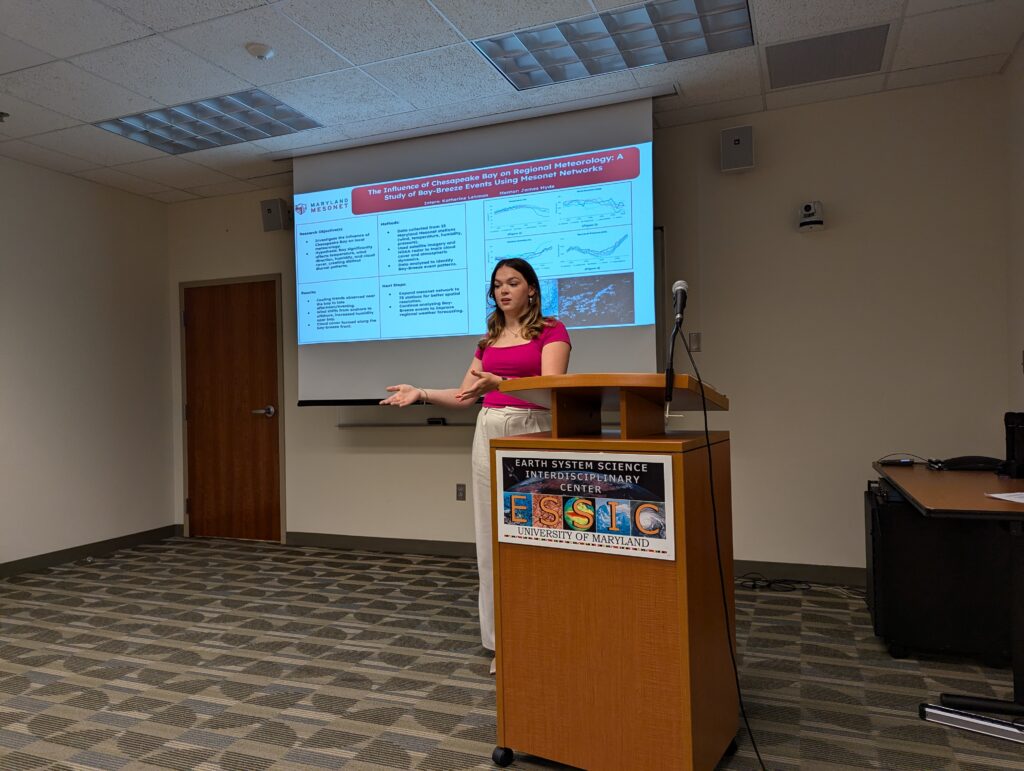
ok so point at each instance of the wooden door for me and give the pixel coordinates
(231, 404)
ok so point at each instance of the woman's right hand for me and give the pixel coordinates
(402, 395)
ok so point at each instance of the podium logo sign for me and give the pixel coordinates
(616, 503)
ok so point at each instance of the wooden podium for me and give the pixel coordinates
(608, 661)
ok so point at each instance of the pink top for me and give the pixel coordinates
(519, 361)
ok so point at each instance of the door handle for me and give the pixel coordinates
(269, 411)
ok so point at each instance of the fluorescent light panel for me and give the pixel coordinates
(215, 122)
(636, 36)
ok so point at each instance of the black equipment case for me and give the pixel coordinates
(934, 584)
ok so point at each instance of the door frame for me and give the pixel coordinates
(278, 312)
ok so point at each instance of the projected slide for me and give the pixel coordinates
(412, 258)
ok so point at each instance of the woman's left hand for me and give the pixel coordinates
(485, 383)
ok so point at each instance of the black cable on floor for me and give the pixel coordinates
(759, 581)
(718, 549)
(756, 581)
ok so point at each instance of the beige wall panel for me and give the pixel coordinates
(884, 332)
(85, 449)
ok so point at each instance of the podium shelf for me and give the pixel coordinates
(576, 401)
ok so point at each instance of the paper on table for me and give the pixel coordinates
(1011, 497)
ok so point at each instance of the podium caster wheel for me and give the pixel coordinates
(898, 651)
(731, 749)
(502, 756)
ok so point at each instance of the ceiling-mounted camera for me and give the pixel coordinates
(812, 216)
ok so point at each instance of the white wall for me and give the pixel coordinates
(897, 328)
(885, 332)
(388, 483)
(1014, 84)
(84, 363)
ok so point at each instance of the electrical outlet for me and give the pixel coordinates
(460, 492)
(694, 342)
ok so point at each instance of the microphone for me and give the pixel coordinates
(679, 290)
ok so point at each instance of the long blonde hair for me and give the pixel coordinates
(532, 321)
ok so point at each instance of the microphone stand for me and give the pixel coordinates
(670, 374)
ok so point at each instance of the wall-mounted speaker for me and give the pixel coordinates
(277, 214)
(738, 148)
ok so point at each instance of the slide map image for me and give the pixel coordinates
(412, 258)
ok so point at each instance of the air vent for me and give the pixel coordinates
(828, 57)
(639, 35)
(215, 122)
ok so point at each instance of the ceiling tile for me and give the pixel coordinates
(62, 30)
(15, 55)
(296, 53)
(968, 32)
(163, 15)
(437, 116)
(823, 92)
(777, 20)
(706, 112)
(392, 123)
(441, 116)
(174, 171)
(94, 144)
(42, 156)
(272, 180)
(26, 118)
(161, 70)
(308, 138)
(667, 102)
(240, 161)
(369, 30)
(469, 114)
(66, 89)
(711, 78)
(613, 82)
(173, 196)
(437, 77)
(483, 18)
(122, 181)
(937, 73)
(222, 188)
(339, 97)
(914, 7)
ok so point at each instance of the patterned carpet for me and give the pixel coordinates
(208, 654)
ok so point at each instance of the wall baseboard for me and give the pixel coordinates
(370, 543)
(834, 575)
(97, 549)
(816, 574)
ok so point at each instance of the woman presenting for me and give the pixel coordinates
(520, 342)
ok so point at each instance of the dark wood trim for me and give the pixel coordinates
(97, 549)
(370, 543)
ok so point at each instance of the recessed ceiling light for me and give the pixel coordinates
(215, 122)
(260, 50)
(635, 36)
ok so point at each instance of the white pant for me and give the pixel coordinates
(494, 422)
